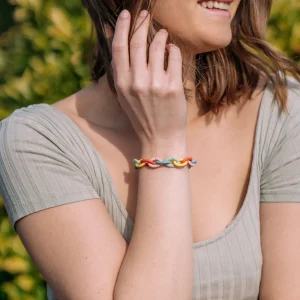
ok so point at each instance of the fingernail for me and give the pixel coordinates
(124, 14)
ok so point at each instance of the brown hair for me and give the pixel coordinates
(223, 75)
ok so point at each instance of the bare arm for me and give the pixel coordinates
(159, 260)
(280, 237)
(76, 247)
(280, 209)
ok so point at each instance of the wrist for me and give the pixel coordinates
(164, 149)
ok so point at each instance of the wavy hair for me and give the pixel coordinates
(222, 75)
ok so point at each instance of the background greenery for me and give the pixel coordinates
(43, 49)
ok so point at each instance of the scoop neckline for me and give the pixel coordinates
(201, 243)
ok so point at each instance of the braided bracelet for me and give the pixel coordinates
(171, 162)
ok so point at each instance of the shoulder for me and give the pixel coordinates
(29, 130)
(23, 125)
(276, 127)
(39, 167)
(36, 132)
(37, 122)
(293, 104)
(40, 131)
(35, 117)
(293, 98)
(291, 120)
(272, 114)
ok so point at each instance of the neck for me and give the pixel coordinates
(106, 111)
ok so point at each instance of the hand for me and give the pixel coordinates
(153, 98)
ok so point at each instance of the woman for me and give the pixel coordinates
(210, 232)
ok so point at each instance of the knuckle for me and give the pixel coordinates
(174, 88)
(157, 88)
(120, 84)
(116, 47)
(139, 87)
(156, 46)
(136, 44)
(175, 58)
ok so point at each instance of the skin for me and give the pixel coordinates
(203, 31)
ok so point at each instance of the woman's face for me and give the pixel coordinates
(204, 24)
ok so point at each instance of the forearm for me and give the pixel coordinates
(159, 260)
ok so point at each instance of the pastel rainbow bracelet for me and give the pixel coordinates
(170, 162)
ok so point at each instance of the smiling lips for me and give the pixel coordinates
(222, 5)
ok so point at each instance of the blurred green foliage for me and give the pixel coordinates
(43, 59)
(6, 18)
(284, 27)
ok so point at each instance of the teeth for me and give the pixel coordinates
(210, 4)
(224, 5)
(215, 4)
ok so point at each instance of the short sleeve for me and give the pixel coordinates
(280, 179)
(35, 172)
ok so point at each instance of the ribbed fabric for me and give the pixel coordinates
(46, 161)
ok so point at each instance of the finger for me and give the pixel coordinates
(174, 61)
(157, 52)
(138, 44)
(120, 53)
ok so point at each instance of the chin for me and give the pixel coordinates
(211, 44)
